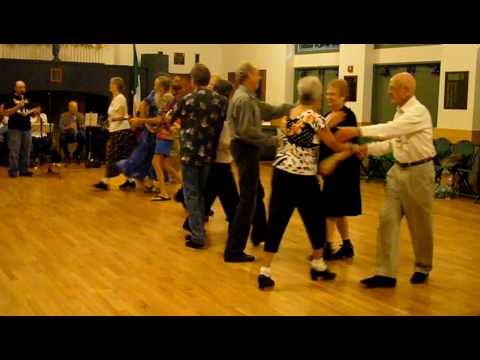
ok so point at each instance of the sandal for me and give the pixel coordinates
(159, 197)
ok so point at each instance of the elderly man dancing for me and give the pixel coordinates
(410, 182)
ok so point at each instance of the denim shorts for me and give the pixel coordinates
(163, 147)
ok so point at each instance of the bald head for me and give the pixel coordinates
(405, 80)
(20, 87)
(72, 107)
(401, 88)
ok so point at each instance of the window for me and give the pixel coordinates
(315, 48)
(386, 46)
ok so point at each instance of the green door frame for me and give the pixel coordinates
(406, 64)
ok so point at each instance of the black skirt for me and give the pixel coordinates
(341, 190)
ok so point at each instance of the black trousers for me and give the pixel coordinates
(42, 148)
(250, 209)
(290, 192)
(221, 183)
(70, 137)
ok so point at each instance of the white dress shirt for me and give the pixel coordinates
(409, 135)
(224, 156)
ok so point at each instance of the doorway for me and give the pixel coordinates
(428, 84)
(325, 74)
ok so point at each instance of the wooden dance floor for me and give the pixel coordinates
(67, 249)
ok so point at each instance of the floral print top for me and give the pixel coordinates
(202, 114)
(300, 150)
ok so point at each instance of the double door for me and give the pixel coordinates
(325, 74)
(428, 84)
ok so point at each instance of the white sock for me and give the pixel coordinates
(319, 264)
(131, 180)
(105, 181)
(266, 271)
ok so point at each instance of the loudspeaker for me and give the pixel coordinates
(154, 64)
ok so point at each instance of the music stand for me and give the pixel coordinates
(91, 123)
(48, 131)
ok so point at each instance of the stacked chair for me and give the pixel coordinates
(376, 167)
(461, 161)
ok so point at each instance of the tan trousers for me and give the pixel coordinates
(409, 192)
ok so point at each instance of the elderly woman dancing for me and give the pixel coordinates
(295, 183)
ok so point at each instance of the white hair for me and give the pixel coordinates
(309, 89)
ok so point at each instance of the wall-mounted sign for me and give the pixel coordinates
(350, 68)
(56, 75)
(352, 87)
(456, 90)
(179, 58)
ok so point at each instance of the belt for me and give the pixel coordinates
(415, 163)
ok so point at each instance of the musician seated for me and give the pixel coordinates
(41, 140)
(72, 130)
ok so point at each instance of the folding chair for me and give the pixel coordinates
(462, 170)
(364, 162)
(378, 166)
(443, 148)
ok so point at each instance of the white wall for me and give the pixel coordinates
(277, 59)
(458, 57)
(320, 59)
(476, 114)
(210, 55)
(280, 61)
(453, 57)
(360, 57)
(410, 54)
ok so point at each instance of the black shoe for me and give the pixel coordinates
(418, 278)
(327, 251)
(345, 252)
(265, 283)
(325, 275)
(379, 281)
(240, 258)
(192, 244)
(257, 242)
(12, 175)
(128, 185)
(186, 225)
(101, 186)
(179, 197)
(347, 249)
(26, 174)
